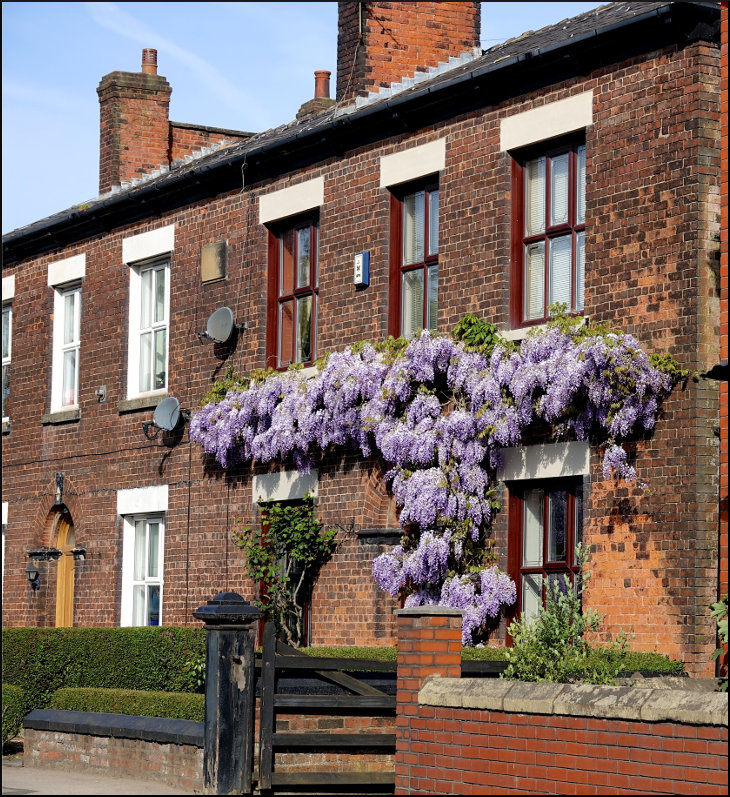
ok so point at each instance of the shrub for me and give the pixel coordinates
(42, 660)
(13, 711)
(173, 705)
(552, 646)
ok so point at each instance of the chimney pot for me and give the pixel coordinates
(149, 61)
(322, 83)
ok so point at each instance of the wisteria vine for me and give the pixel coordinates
(438, 412)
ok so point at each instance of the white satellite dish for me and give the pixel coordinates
(167, 414)
(221, 325)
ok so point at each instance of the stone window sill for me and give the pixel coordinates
(62, 416)
(140, 403)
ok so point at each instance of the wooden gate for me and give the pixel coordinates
(349, 696)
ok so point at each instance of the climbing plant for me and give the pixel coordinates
(438, 409)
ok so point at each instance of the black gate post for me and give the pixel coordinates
(230, 681)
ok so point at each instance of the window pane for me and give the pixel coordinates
(580, 270)
(560, 257)
(160, 358)
(68, 395)
(153, 548)
(560, 582)
(160, 295)
(286, 267)
(6, 333)
(433, 297)
(303, 258)
(535, 196)
(69, 317)
(153, 604)
(581, 179)
(531, 595)
(412, 304)
(146, 315)
(140, 541)
(532, 529)
(558, 523)
(578, 515)
(138, 605)
(433, 222)
(145, 362)
(534, 281)
(304, 329)
(559, 189)
(413, 217)
(286, 332)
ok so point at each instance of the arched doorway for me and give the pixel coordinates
(65, 575)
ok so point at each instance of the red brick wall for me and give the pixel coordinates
(460, 751)
(186, 139)
(724, 278)
(399, 39)
(652, 209)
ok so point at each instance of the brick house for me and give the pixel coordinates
(618, 110)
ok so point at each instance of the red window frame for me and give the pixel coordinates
(521, 239)
(284, 242)
(573, 489)
(397, 268)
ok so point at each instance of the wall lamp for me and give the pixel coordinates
(33, 576)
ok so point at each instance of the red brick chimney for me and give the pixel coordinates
(382, 43)
(135, 125)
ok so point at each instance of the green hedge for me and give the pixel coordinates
(13, 711)
(42, 660)
(175, 705)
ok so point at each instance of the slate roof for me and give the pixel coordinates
(531, 43)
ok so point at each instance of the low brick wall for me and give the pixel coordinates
(165, 750)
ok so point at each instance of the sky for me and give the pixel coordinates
(244, 66)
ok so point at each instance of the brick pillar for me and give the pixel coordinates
(429, 643)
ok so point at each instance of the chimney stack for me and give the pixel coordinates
(134, 123)
(382, 43)
(321, 100)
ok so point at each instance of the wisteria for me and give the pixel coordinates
(439, 414)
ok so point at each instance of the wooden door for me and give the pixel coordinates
(65, 575)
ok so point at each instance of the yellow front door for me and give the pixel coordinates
(65, 580)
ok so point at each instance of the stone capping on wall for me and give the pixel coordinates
(121, 726)
(386, 536)
(578, 700)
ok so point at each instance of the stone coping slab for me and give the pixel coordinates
(148, 729)
(578, 700)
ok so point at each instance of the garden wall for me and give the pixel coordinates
(476, 736)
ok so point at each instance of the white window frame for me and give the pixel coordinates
(128, 554)
(60, 347)
(136, 272)
(6, 359)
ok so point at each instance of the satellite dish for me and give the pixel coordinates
(221, 325)
(167, 414)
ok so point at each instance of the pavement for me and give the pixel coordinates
(18, 779)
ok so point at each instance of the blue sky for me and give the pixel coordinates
(246, 66)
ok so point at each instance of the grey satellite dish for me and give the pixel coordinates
(221, 325)
(167, 414)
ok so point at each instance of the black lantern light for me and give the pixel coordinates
(33, 575)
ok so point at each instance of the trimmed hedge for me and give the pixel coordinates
(13, 711)
(42, 660)
(173, 705)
